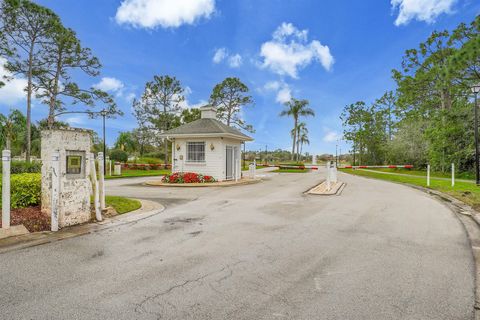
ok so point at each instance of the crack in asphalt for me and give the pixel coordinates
(140, 307)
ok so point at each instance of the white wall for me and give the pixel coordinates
(215, 160)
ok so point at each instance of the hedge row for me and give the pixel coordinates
(24, 167)
(25, 190)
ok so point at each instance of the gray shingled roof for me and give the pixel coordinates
(205, 126)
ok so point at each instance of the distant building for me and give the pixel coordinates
(207, 146)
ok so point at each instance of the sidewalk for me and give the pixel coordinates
(148, 209)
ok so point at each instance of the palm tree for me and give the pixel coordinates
(301, 130)
(303, 140)
(295, 109)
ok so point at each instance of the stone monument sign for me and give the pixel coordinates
(72, 146)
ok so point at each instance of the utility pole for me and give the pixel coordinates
(266, 154)
(336, 154)
(475, 90)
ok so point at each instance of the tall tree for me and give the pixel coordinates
(12, 129)
(295, 109)
(387, 104)
(229, 97)
(26, 26)
(63, 56)
(159, 105)
(189, 115)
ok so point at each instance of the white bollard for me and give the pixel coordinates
(251, 170)
(453, 175)
(101, 180)
(428, 175)
(55, 189)
(96, 194)
(109, 166)
(6, 157)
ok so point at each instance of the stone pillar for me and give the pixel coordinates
(6, 189)
(72, 146)
(96, 193)
(117, 169)
(55, 176)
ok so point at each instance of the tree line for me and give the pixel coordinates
(38, 47)
(429, 117)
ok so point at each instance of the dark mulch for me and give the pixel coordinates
(32, 218)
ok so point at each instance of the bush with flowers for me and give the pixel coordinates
(187, 177)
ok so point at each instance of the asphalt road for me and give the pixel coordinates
(263, 251)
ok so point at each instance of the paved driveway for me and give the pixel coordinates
(263, 251)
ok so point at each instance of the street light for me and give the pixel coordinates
(104, 114)
(476, 90)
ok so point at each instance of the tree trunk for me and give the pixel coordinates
(294, 138)
(29, 105)
(9, 143)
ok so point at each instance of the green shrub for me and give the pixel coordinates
(25, 189)
(24, 167)
(158, 155)
(118, 155)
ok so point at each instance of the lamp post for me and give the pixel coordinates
(104, 114)
(476, 90)
(336, 154)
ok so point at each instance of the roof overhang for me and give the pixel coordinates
(206, 135)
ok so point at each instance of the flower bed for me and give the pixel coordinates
(187, 177)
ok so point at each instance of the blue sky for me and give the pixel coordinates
(330, 52)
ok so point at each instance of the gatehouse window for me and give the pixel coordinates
(196, 151)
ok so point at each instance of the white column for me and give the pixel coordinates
(55, 190)
(428, 175)
(101, 180)
(109, 166)
(453, 175)
(96, 194)
(6, 189)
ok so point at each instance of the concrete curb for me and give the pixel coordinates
(148, 209)
(470, 219)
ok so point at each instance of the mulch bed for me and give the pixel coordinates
(32, 218)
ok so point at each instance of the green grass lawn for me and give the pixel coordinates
(122, 205)
(291, 170)
(463, 175)
(140, 173)
(464, 191)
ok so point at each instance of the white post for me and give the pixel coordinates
(6, 189)
(101, 180)
(453, 175)
(55, 189)
(96, 195)
(428, 175)
(109, 166)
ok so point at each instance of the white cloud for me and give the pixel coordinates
(75, 121)
(331, 136)
(165, 13)
(421, 10)
(109, 84)
(289, 51)
(14, 90)
(282, 90)
(220, 55)
(235, 61)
